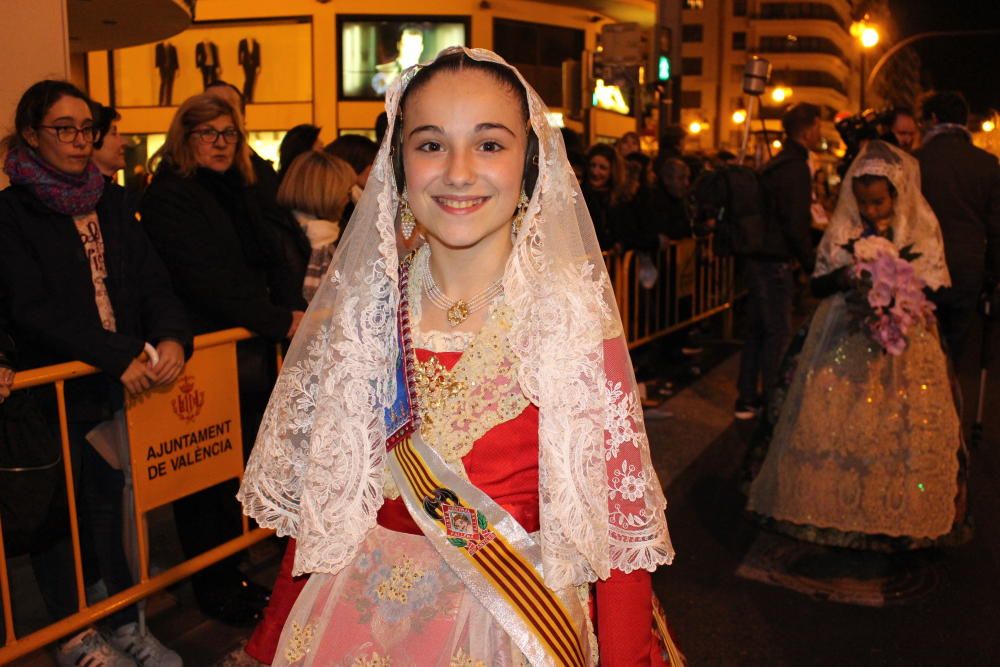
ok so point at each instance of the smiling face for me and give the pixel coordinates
(598, 172)
(875, 202)
(72, 157)
(464, 163)
(217, 155)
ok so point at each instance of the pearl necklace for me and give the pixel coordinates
(458, 310)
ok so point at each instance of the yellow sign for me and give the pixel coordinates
(609, 97)
(186, 437)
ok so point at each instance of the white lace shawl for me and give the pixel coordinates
(317, 467)
(913, 222)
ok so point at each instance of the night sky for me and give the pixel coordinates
(969, 64)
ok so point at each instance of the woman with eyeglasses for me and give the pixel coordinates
(206, 215)
(81, 281)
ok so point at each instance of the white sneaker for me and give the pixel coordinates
(145, 649)
(90, 649)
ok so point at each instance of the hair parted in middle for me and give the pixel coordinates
(457, 61)
(178, 154)
(317, 183)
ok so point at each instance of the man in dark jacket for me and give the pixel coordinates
(962, 184)
(787, 185)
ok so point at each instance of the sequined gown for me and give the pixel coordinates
(859, 448)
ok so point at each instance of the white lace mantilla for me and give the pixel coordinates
(317, 468)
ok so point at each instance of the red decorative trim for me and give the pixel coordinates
(409, 357)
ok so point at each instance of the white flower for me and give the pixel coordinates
(869, 248)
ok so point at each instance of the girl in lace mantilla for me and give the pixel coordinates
(498, 348)
(861, 448)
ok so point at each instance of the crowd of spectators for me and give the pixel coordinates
(89, 272)
(218, 239)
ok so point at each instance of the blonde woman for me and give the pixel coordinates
(316, 188)
(204, 213)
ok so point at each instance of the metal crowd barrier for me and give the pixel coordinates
(662, 292)
(691, 283)
(57, 375)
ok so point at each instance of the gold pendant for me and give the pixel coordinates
(457, 313)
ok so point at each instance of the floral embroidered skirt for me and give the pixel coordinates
(396, 603)
(859, 448)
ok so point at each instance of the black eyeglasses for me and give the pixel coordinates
(67, 134)
(210, 135)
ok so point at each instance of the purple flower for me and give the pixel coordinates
(886, 332)
(880, 295)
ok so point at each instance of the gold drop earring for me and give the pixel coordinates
(522, 208)
(407, 222)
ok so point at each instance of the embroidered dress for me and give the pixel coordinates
(862, 448)
(398, 602)
(539, 411)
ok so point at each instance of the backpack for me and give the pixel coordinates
(734, 198)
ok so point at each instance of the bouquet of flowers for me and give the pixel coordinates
(889, 299)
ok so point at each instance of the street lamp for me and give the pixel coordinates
(740, 116)
(868, 37)
(780, 94)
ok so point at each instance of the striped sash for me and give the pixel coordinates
(497, 560)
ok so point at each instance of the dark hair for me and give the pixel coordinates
(667, 166)
(35, 103)
(946, 106)
(103, 118)
(381, 125)
(639, 158)
(869, 179)
(457, 61)
(898, 111)
(799, 118)
(219, 83)
(296, 141)
(354, 149)
(617, 180)
(573, 141)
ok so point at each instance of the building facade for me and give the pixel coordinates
(814, 58)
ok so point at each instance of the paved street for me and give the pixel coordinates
(721, 619)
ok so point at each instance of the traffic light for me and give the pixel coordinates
(660, 67)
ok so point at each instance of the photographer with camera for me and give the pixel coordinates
(962, 184)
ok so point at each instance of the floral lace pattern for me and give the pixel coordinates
(881, 457)
(913, 221)
(317, 470)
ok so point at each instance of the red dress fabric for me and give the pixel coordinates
(503, 464)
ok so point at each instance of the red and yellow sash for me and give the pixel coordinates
(483, 543)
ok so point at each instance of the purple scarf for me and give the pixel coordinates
(62, 192)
